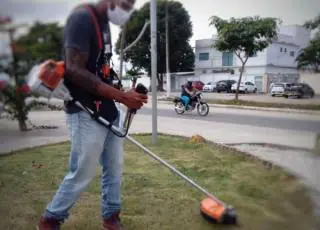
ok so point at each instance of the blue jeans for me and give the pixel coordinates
(185, 100)
(91, 143)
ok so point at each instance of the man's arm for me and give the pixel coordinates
(77, 72)
(188, 91)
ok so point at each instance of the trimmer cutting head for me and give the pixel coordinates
(218, 213)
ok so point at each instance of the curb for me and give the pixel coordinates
(305, 111)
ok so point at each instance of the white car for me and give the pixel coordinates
(279, 89)
(209, 87)
(245, 87)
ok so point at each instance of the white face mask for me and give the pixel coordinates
(119, 16)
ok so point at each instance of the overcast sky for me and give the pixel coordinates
(290, 11)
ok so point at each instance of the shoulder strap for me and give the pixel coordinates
(93, 15)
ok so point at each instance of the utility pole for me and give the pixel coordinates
(167, 53)
(123, 35)
(153, 19)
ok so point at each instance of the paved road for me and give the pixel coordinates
(255, 97)
(244, 119)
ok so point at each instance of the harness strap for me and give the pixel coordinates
(95, 22)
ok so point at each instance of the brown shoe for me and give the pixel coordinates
(49, 224)
(112, 223)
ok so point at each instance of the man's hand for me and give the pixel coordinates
(134, 100)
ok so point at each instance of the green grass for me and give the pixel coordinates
(154, 198)
(260, 104)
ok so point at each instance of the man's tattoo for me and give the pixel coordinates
(77, 72)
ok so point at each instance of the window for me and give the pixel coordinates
(285, 50)
(203, 56)
(280, 49)
(227, 59)
(292, 53)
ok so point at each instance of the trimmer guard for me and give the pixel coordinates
(218, 213)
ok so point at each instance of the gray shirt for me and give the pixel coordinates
(80, 33)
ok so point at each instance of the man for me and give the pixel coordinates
(187, 93)
(90, 141)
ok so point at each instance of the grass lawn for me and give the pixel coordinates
(259, 104)
(154, 198)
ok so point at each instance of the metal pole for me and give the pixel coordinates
(167, 52)
(153, 19)
(123, 35)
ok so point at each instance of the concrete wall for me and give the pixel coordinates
(279, 54)
(143, 80)
(300, 35)
(280, 77)
(313, 79)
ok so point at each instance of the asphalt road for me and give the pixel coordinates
(241, 119)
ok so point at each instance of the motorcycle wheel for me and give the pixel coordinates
(179, 108)
(203, 109)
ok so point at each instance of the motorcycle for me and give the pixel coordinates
(196, 102)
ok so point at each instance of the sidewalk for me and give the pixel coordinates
(225, 133)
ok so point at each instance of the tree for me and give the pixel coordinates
(244, 37)
(310, 56)
(180, 27)
(43, 41)
(314, 24)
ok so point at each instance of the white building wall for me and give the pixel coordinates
(312, 79)
(204, 46)
(259, 60)
(300, 35)
(279, 54)
(282, 70)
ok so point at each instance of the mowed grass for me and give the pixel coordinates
(153, 197)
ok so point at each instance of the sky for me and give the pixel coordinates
(290, 11)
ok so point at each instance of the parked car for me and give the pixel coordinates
(198, 85)
(279, 89)
(245, 87)
(299, 90)
(224, 85)
(210, 87)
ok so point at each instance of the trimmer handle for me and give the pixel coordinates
(142, 90)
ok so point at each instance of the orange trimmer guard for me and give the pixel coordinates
(217, 212)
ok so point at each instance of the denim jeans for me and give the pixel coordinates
(186, 100)
(91, 144)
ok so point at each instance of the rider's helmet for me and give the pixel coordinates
(189, 84)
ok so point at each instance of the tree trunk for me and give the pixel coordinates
(22, 116)
(239, 81)
(22, 124)
(316, 68)
(160, 82)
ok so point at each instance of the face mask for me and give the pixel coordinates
(118, 16)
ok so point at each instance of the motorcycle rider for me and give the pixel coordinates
(188, 91)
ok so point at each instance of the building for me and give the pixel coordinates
(275, 64)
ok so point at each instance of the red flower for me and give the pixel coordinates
(25, 89)
(2, 85)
